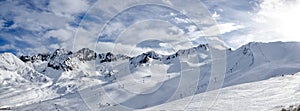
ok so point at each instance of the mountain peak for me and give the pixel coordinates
(6, 54)
(86, 54)
(9, 61)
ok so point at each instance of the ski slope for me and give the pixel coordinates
(268, 95)
(86, 80)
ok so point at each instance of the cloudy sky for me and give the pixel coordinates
(31, 26)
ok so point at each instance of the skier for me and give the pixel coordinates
(215, 79)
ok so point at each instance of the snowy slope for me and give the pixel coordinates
(258, 61)
(10, 63)
(268, 95)
(20, 84)
(106, 81)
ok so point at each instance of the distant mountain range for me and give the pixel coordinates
(63, 72)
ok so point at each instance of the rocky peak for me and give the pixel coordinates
(109, 57)
(60, 52)
(60, 60)
(35, 58)
(145, 57)
(86, 54)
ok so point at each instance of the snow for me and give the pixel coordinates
(86, 80)
(267, 95)
(20, 84)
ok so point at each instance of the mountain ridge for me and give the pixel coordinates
(68, 72)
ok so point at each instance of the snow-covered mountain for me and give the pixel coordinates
(17, 80)
(116, 79)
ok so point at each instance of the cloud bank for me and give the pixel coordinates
(30, 26)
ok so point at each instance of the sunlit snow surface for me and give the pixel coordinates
(268, 95)
(23, 88)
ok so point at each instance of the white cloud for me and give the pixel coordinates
(173, 30)
(220, 29)
(280, 17)
(258, 20)
(119, 48)
(1, 23)
(132, 50)
(168, 2)
(86, 37)
(61, 34)
(239, 40)
(33, 51)
(38, 21)
(54, 46)
(32, 20)
(181, 20)
(154, 30)
(275, 20)
(229, 27)
(68, 6)
(7, 46)
(34, 27)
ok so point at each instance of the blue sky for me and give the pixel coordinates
(31, 26)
